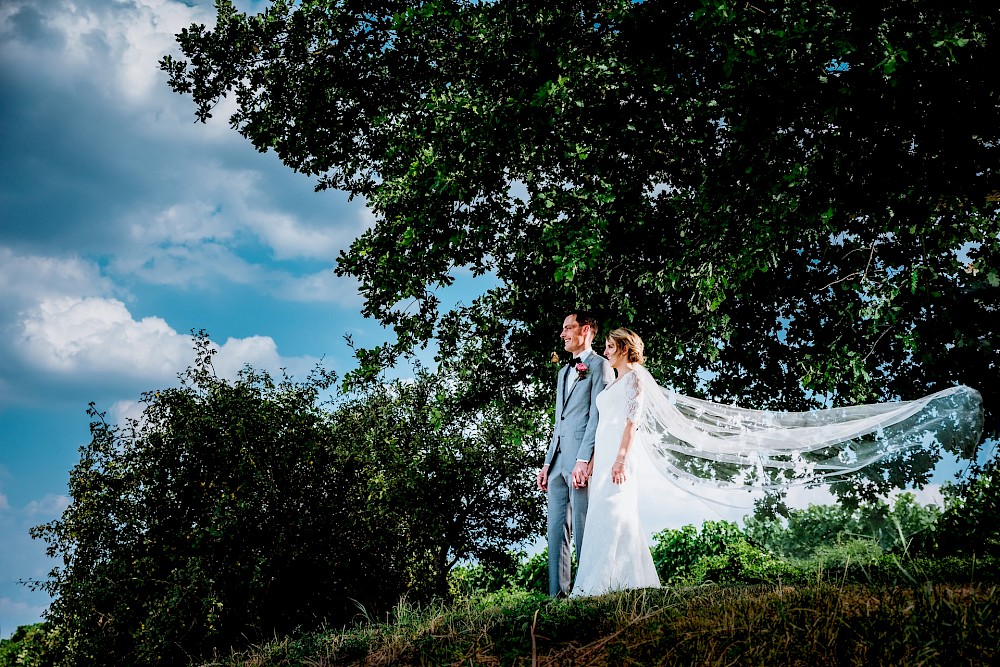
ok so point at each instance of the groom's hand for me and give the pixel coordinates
(580, 474)
(543, 478)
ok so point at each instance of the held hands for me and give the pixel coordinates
(581, 473)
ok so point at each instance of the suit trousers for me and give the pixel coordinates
(567, 518)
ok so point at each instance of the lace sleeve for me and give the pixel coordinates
(633, 397)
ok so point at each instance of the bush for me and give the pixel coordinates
(35, 645)
(742, 563)
(529, 574)
(233, 511)
(804, 534)
(969, 524)
(719, 552)
(852, 552)
(676, 552)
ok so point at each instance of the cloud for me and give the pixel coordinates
(45, 508)
(98, 337)
(73, 335)
(26, 279)
(17, 612)
(64, 328)
(103, 160)
(79, 33)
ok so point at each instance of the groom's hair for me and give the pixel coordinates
(584, 318)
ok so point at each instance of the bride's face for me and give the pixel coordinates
(611, 352)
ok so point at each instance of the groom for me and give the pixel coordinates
(564, 474)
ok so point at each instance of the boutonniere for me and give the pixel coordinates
(581, 370)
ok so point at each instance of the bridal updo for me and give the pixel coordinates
(628, 340)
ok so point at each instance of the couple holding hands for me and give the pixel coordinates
(609, 409)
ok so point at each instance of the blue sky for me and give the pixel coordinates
(123, 225)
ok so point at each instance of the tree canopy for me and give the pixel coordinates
(794, 202)
(234, 510)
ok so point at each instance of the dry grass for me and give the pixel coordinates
(816, 625)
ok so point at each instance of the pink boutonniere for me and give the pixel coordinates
(581, 370)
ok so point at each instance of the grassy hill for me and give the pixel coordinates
(825, 622)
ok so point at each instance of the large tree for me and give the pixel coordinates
(793, 201)
(233, 510)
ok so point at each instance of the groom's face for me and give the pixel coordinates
(575, 337)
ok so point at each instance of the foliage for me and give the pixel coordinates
(969, 524)
(526, 573)
(233, 510)
(36, 645)
(853, 551)
(533, 574)
(719, 552)
(802, 534)
(677, 551)
(454, 474)
(775, 194)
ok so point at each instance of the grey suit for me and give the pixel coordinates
(572, 439)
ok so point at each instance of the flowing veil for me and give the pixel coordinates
(729, 447)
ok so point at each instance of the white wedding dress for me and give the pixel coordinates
(615, 554)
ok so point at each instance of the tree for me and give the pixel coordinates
(804, 532)
(233, 510)
(776, 194)
(455, 477)
(968, 526)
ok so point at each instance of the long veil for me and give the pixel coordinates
(729, 447)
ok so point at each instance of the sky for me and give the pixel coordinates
(124, 225)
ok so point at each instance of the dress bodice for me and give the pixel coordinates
(621, 400)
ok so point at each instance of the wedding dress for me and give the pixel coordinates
(712, 444)
(615, 553)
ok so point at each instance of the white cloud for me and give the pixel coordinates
(320, 287)
(179, 203)
(122, 411)
(63, 325)
(25, 279)
(84, 36)
(224, 204)
(99, 336)
(72, 335)
(15, 613)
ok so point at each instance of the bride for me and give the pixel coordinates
(729, 447)
(614, 555)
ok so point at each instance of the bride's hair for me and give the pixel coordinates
(628, 340)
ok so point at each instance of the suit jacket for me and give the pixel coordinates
(576, 412)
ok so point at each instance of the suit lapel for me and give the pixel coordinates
(567, 394)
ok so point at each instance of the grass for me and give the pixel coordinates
(823, 622)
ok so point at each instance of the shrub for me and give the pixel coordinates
(35, 645)
(719, 552)
(236, 510)
(969, 524)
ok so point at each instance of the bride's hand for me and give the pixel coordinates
(618, 472)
